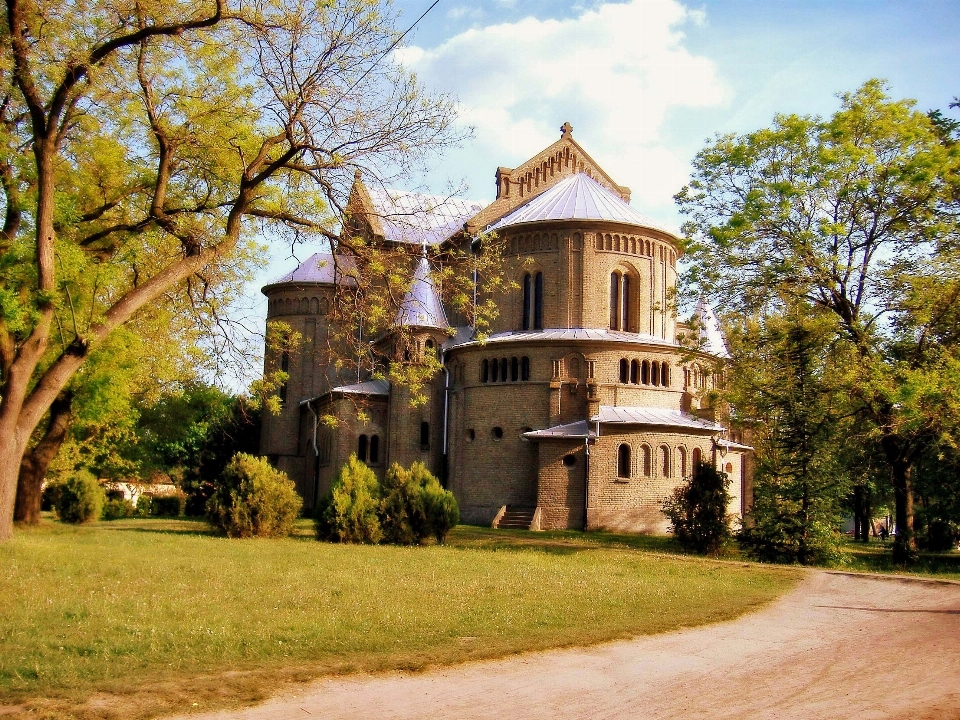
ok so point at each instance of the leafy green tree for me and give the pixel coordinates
(80, 499)
(144, 145)
(838, 213)
(698, 510)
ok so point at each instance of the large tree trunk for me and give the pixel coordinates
(33, 467)
(905, 543)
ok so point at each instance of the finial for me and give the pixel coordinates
(356, 175)
(567, 130)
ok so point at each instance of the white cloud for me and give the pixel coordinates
(616, 72)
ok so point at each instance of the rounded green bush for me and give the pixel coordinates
(349, 512)
(117, 509)
(253, 499)
(81, 498)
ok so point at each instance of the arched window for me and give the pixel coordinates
(424, 435)
(615, 301)
(665, 374)
(623, 370)
(695, 461)
(645, 372)
(527, 300)
(664, 461)
(503, 369)
(484, 371)
(645, 461)
(514, 369)
(362, 448)
(625, 303)
(682, 458)
(284, 367)
(374, 449)
(538, 302)
(525, 368)
(634, 372)
(494, 370)
(623, 461)
(655, 372)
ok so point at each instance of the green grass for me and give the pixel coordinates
(875, 556)
(141, 617)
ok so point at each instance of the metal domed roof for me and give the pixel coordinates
(578, 197)
(320, 268)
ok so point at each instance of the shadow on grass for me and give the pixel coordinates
(877, 557)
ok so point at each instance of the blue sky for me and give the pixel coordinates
(646, 82)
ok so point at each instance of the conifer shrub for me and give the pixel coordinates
(168, 505)
(350, 511)
(80, 499)
(144, 506)
(415, 506)
(698, 510)
(253, 499)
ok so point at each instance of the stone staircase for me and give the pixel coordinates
(516, 518)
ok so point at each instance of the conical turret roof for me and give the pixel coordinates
(711, 336)
(421, 307)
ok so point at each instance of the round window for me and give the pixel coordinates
(497, 433)
(570, 460)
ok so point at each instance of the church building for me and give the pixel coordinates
(582, 408)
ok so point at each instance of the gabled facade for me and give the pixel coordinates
(579, 410)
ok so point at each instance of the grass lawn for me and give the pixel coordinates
(137, 618)
(875, 557)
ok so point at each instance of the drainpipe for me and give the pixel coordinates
(316, 455)
(446, 414)
(586, 479)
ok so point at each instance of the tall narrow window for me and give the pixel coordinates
(362, 448)
(374, 449)
(525, 368)
(664, 374)
(623, 461)
(494, 370)
(284, 367)
(664, 461)
(484, 371)
(634, 372)
(503, 369)
(625, 303)
(615, 301)
(682, 458)
(645, 460)
(424, 435)
(527, 299)
(695, 461)
(655, 373)
(514, 369)
(645, 373)
(623, 370)
(538, 302)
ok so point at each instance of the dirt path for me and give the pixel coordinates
(839, 646)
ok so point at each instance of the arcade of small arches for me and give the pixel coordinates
(368, 449)
(661, 463)
(503, 370)
(634, 245)
(530, 181)
(301, 306)
(646, 372)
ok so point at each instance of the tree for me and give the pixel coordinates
(698, 510)
(838, 213)
(142, 145)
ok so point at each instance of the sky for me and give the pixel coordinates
(645, 83)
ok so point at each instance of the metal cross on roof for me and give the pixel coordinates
(567, 130)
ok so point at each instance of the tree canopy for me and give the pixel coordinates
(145, 145)
(855, 216)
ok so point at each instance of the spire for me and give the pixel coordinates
(711, 337)
(421, 307)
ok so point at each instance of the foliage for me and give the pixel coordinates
(854, 216)
(81, 498)
(144, 148)
(117, 509)
(253, 499)
(698, 510)
(168, 505)
(144, 506)
(415, 506)
(349, 512)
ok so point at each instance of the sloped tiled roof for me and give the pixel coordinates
(579, 429)
(421, 307)
(662, 417)
(566, 334)
(321, 269)
(711, 336)
(415, 218)
(578, 197)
